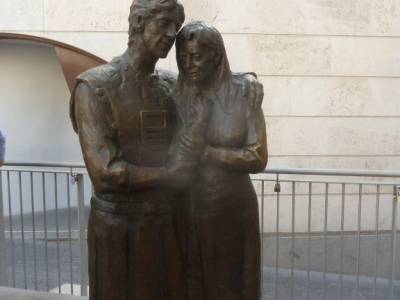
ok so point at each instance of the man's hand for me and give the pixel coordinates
(254, 90)
(1, 163)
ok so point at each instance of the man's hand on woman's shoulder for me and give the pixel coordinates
(251, 88)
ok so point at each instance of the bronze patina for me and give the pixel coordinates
(165, 157)
(221, 131)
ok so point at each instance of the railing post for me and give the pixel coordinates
(3, 245)
(82, 234)
(396, 196)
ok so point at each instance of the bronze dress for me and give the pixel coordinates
(124, 121)
(224, 242)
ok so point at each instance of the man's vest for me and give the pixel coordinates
(139, 110)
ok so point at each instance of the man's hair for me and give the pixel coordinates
(148, 8)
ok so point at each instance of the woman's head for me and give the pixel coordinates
(201, 54)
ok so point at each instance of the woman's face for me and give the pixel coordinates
(197, 61)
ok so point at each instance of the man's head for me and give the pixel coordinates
(155, 23)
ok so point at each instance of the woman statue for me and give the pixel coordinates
(220, 141)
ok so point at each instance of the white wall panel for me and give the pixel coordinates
(88, 15)
(331, 96)
(318, 17)
(317, 56)
(21, 15)
(333, 136)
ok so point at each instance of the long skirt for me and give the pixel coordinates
(135, 257)
(224, 252)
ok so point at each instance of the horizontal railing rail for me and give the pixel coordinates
(285, 171)
(334, 172)
(44, 164)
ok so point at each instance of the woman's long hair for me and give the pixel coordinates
(211, 38)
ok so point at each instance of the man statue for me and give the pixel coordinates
(124, 115)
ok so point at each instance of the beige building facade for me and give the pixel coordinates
(330, 68)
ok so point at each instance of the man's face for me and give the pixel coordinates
(197, 61)
(160, 32)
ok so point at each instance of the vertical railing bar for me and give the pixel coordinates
(378, 195)
(70, 233)
(396, 234)
(360, 187)
(3, 243)
(325, 238)
(21, 209)
(394, 241)
(33, 232)
(57, 233)
(10, 224)
(293, 240)
(342, 238)
(309, 239)
(46, 252)
(82, 235)
(277, 239)
(262, 229)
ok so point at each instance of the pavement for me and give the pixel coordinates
(328, 286)
(64, 267)
(16, 294)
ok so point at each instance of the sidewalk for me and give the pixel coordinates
(326, 287)
(14, 294)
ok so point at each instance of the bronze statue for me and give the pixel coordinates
(122, 113)
(224, 241)
(125, 115)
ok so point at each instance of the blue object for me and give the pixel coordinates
(2, 146)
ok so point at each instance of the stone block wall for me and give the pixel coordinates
(330, 68)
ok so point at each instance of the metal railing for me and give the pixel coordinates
(43, 214)
(325, 233)
(330, 234)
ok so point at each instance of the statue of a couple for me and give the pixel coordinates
(174, 214)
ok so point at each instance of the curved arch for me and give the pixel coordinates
(72, 59)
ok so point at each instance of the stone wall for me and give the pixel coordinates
(331, 68)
